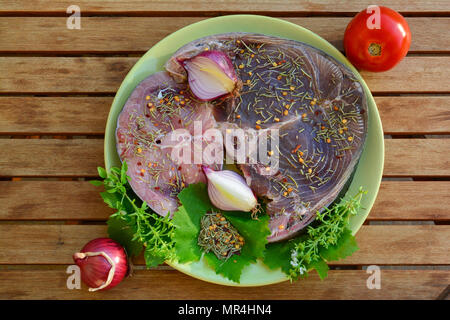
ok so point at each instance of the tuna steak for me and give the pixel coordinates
(315, 102)
(318, 106)
(154, 111)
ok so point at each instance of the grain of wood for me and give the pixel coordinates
(62, 74)
(50, 157)
(79, 200)
(87, 115)
(401, 245)
(52, 244)
(173, 285)
(417, 157)
(387, 244)
(205, 6)
(80, 157)
(130, 34)
(414, 115)
(416, 74)
(54, 115)
(105, 74)
(52, 200)
(412, 200)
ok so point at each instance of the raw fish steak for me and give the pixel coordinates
(317, 105)
(156, 109)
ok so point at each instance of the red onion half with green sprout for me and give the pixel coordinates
(103, 264)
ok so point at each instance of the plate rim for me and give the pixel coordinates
(335, 53)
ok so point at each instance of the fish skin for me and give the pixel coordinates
(323, 78)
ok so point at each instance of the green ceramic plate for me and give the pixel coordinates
(370, 168)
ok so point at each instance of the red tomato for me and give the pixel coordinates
(377, 44)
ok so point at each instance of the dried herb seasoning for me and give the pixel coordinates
(218, 235)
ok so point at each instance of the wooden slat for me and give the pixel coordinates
(173, 285)
(386, 244)
(417, 157)
(130, 34)
(77, 157)
(154, 6)
(395, 201)
(51, 74)
(92, 74)
(87, 115)
(414, 115)
(51, 200)
(54, 115)
(417, 74)
(80, 157)
(401, 245)
(52, 244)
(79, 200)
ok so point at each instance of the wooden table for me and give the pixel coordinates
(56, 88)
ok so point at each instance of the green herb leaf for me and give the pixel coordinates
(102, 172)
(152, 259)
(134, 225)
(96, 183)
(278, 255)
(255, 232)
(187, 227)
(345, 246)
(121, 231)
(111, 199)
(195, 197)
(195, 203)
(231, 268)
(329, 240)
(321, 267)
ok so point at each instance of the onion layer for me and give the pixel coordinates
(211, 75)
(103, 263)
(228, 191)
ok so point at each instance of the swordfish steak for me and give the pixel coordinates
(317, 104)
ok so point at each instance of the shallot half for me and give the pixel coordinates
(211, 75)
(103, 263)
(228, 191)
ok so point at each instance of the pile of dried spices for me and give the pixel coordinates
(219, 236)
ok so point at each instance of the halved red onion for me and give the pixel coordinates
(211, 75)
(103, 263)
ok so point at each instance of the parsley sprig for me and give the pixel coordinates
(134, 225)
